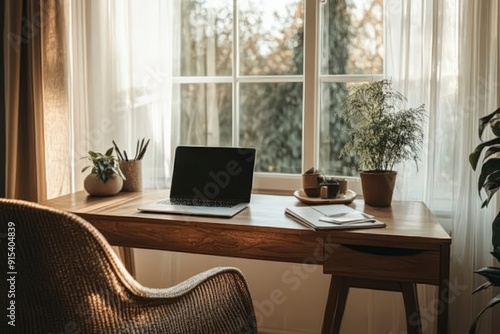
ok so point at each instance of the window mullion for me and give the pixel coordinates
(236, 74)
(347, 78)
(310, 104)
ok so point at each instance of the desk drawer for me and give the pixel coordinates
(384, 263)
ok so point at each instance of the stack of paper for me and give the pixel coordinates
(334, 216)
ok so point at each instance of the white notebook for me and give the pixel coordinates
(333, 216)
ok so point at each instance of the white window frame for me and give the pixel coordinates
(281, 183)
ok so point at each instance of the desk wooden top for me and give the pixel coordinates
(261, 231)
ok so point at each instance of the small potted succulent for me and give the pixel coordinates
(105, 178)
(382, 133)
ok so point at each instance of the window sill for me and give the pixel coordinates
(286, 184)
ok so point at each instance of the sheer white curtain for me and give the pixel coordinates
(121, 68)
(422, 61)
(479, 94)
(445, 53)
(421, 39)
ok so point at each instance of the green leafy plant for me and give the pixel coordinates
(488, 184)
(104, 165)
(381, 131)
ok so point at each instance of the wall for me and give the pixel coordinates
(288, 298)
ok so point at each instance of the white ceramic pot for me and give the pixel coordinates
(96, 187)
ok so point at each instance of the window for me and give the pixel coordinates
(239, 77)
(351, 47)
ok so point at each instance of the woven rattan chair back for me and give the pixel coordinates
(63, 277)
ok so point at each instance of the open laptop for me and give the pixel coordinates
(209, 181)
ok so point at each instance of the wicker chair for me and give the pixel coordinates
(67, 279)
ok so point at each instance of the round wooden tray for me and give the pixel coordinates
(340, 199)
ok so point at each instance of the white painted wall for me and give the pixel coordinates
(288, 298)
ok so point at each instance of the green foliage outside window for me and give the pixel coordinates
(270, 113)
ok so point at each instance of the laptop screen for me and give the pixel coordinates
(213, 173)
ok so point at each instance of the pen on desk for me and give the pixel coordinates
(347, 222)
(346, 213)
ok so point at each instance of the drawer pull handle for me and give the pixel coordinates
(386, 251)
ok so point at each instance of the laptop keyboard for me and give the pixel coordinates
(194, 202)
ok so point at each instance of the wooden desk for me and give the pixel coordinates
(412, 249)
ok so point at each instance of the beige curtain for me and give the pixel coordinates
(32, 39)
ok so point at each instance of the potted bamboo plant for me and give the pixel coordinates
(489, 183)
(105, 178)
(381, 132)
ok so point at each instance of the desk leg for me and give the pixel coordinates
(127, 256)
(337, 299)
(410, 299)
(335, 305)
(443, 290)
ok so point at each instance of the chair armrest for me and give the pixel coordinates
(215, 301)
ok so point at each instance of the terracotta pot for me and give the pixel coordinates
(378, 187)
(96, 187)
(310, 184)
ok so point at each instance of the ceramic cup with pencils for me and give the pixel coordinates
(132, 168)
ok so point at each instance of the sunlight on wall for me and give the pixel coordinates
(288, 298)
